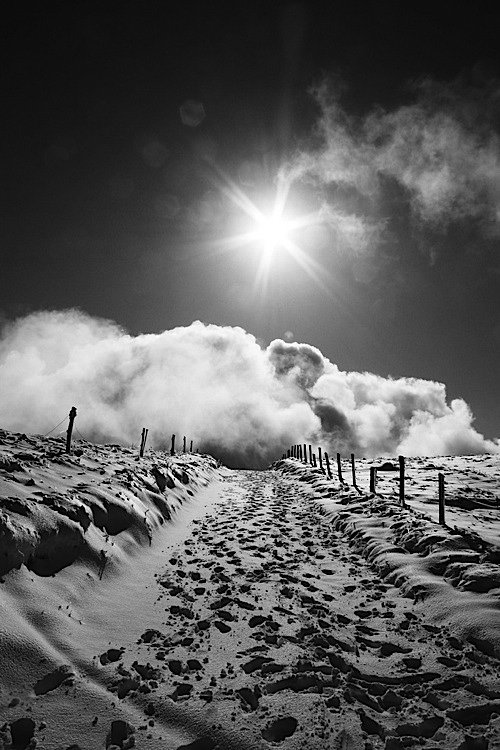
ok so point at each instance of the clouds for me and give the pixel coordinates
(219, 387)
(441, 151)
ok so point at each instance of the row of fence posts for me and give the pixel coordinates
(172, 444)
(144, 437)
(301, 452)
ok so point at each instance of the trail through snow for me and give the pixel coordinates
(252, 622)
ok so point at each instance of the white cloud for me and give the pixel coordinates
(442, 150)
(217, 386)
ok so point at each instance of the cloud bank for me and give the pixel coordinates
(217, 386)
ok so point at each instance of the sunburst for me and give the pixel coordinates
(273, 231)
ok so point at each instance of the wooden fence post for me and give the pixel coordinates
(353, 467)
(143, 441)
(373, 479)
(305, 453)
(320, 460)
(402, 481)
(72, 415)
(314, 460)
(172, 447)
(328, 469)
(441, 499)
(310, 456)
(191, 446)
(339, 469)
(184, 444)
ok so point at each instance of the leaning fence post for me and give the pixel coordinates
(373, 478)
(328, 470)
(441, 499)
(402, 481)
(72, 415)
(353, 467)
(320, 460)
(339, 469)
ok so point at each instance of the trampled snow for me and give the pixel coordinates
(167, 602)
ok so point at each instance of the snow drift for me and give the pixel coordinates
(242, 403)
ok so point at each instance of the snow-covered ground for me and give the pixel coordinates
(169, 603)
(454, 568)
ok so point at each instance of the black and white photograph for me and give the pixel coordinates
(249, 375)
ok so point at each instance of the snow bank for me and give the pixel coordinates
(453, 572)
(56, 508)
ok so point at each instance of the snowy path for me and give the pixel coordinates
(273, 629)
(252, 621)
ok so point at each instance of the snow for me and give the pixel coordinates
(454, 569)
(241, 609)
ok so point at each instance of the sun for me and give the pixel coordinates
(269, 232)
(272, 233)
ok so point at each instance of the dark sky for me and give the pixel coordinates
(111, 203)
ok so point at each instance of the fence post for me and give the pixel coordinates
(305, 453)
(288, 452)
(402, 481)
(441, 499)
(191, 446)
(310, 456)
(314, 460)
(328, 470)
(72, 415)
(353, 467)
(373, 479)
(320, 460)
(339, 469)
(184, 444)
(143, 441)
(172, 447)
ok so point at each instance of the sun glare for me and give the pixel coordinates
(272, 233)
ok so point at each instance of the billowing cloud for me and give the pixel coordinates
(217, 386)
(442, 150)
